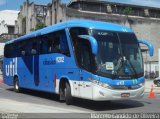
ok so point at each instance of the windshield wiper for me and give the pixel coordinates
(118, 66)
(132, 67)
(122, 61)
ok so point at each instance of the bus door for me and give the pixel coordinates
(85, 87)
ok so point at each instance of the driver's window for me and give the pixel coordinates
(82, 48)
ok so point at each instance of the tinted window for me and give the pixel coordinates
(55, 42)
(8, 50)
(82, 48)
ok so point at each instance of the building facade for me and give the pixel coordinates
(7, 21)
(7, 24)
(29, 16)
(142, 19)
(7, 29)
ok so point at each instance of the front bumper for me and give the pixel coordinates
(103, 94)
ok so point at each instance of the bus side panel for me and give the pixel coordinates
(49, 72)
(72, 75)
(17, 66)
(29, 72)
(46, 73)
(25, 71)
(9, 70)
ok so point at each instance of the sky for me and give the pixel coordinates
(15, 4)
(150, 3)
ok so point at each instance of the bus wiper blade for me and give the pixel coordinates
(119, 65)
(132, 67)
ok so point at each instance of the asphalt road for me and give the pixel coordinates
(39, 102)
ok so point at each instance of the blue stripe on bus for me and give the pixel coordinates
(28, 60)
(36, 70)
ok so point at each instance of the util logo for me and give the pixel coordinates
(11, 68)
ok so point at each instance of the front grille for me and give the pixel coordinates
(125, 87)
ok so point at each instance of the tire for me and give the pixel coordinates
(68, 96)
(62, 95)
(16, 85)
(158, 83)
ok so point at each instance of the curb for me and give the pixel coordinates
(1, 80)
(156, 90)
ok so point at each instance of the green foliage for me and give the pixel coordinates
(39, 25)
(32, 29)
(24, 19)
(127, 11)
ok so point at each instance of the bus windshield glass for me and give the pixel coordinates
(119, 54)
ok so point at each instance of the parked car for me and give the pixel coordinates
(157, 81)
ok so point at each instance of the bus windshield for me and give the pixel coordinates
(119, 54)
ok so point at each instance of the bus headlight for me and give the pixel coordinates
(141, 84)
(137, 86)
(105, 85)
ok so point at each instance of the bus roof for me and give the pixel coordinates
(74, 23)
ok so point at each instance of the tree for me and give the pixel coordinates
(40, 25)
(127, 11)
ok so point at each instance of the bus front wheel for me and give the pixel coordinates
(68, 96)
(16, 85)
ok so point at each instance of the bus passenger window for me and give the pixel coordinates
(50, 48)
(54, 45)
(34, 48)
(57, 42)
(43, 46)
(21, 47)
(63, 44)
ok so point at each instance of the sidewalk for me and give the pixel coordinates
(148, 86)
(1, 79)
(1, 75)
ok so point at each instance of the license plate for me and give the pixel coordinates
(125, 95)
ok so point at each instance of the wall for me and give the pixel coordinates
(28, 17)
(3, 27)
(144, 28)
(2, 49)
(7, 19)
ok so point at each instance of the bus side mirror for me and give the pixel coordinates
(149, 45)
(93, 42)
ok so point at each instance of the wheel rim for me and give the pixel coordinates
(16, 85)
(65, 92)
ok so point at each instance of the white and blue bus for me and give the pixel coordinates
(78, 58)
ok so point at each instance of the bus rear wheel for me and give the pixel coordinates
(68, 96)
(16, 85)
